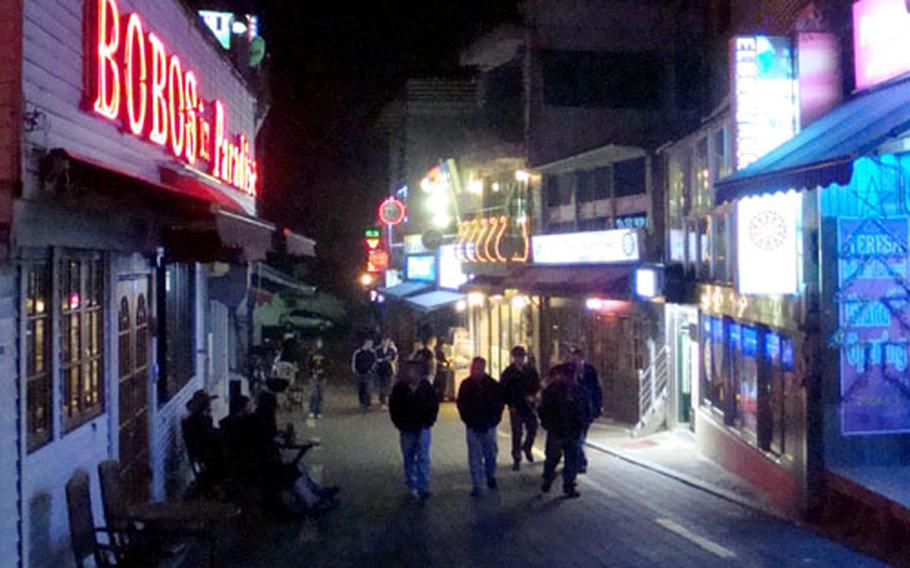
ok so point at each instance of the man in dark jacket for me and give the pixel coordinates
(480, 404)
(521, 384)
(317, 367)
(363, 363)
(564, 413)
(413, 408)
(586, 375)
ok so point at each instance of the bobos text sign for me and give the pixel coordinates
(874, 327)
(133, 78)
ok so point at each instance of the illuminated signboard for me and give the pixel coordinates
(647, 283)
(377, 260)
(881, 41)
(226, 24)
(768, 244)
(413, 244)
(421, 267)
(497, 240)
(764, 95)
(451, 274)
(392, 211)
(134, 79)
(873, 265)
(594, 247)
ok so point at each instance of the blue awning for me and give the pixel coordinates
(824, 152)
(434, 300)
(405, 289)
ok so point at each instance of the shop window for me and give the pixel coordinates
(747, 385)
(702, 187)
(82, 339)
(704, 252)
(602, 80)
(629, 177)
(721, 162)
(773, 403)
(721, 234)
(675, 192)
(176, 344)
(38, 354)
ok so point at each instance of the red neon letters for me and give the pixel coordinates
(135, 65)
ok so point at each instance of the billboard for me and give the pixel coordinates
(768, 244)
(593, 247)
(451, 273)
(765, 109)
(872, 266)
(881, 41)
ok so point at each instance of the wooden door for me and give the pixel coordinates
(133, 312)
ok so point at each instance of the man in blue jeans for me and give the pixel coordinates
(480, 404)
(413, 408)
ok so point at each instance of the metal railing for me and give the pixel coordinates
(653, 385)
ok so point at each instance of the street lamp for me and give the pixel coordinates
(366, 280)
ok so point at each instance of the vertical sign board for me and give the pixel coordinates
(764, 96)
(875, 390)
(881, 41)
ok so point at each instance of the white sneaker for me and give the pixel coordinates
(312, 415)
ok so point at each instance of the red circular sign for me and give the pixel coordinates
(392, 211)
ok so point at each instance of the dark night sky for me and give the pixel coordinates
(334, 65)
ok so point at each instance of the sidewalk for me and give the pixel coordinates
(673, 454)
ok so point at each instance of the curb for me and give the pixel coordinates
(694, 483)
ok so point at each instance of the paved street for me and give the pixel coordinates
(627, 516)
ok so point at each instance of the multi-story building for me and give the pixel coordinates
(129, 223)
(789, 353)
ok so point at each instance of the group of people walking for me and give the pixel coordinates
(565, 403)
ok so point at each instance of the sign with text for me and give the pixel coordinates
(765, 110)
(881, 41)
(594, 247)
(135, 79)
(768, 244)
(872, 266)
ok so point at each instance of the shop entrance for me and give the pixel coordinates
(134, 351)
(685, 364)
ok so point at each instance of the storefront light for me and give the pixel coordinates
(461, 306)
(522, 176)
(476, 186)
(520, 302)
(496, 298)
(366, 279)
(476, 299)
(602, 305)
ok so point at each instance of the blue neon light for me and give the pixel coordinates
(717, 330)
(786, 353)
(772, 346)
(750, 341)
(735, 331)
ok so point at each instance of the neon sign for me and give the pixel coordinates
(768, 244)
(132, 78)
(881, 40)
(764, 95)
(492, 240)
(591, 247)
(392, 211)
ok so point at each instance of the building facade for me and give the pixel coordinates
(129, 182)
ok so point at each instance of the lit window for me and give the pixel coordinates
(38, 353)
(82, 339)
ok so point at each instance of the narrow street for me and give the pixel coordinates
(626, 517)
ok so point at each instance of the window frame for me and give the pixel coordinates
(36, 438)
(89, 314)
